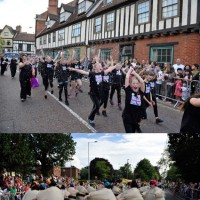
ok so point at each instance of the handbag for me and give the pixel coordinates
(34, 82)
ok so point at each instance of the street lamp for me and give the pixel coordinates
(127, 168)
(89, 159)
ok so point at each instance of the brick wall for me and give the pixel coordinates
(187, 49)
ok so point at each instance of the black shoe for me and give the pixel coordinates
(98, 113)
(67, 103)
(60, 99)
(91, 123)
(76, 94)
(45, 96)
(159, 121)
(51, 91)
(104, 113)
(22, 100)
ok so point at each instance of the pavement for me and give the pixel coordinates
(37, 115)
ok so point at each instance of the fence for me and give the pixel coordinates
(167, 90)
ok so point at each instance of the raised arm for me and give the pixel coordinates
(55, 59)
(140, 80)
(80, 71)
(42, 52)
(127, 80)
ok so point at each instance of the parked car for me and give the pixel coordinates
(11, 54)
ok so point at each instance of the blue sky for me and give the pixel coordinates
(118, 148)
(23, 12)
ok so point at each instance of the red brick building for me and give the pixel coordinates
(156, 30)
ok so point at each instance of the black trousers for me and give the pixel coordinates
(3, 69)
(118, 88)
(105, 97)
(130, 127)
(47, 80)
(61, 86)
(25, 88)
(96, 105)
(13, 70)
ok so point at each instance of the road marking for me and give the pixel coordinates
(74, 114)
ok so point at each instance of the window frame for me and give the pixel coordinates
(6, 33)
(126, 55)
(106, 21)
(62, 17)
(8, 42)
(150, 13)
(61, 32)
(54, 36)
(170, 17)
(74, 30)
(44, 38)
(49, 38)
(28, 47)
(165, 47)
(83, 8)
(99, 17)
(40, 40)
(102, 51)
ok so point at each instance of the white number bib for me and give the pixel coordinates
(49, 65)
(98, 79)
(147, 89)
(135, 100)
(106, 78)
(64, 68)
(119, 73)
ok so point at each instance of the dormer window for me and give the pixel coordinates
(48, 23)
(108, 1)
(81, 7)
(62, 17)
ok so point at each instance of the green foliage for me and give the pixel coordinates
(84, 173)
(184, 150)
(101, 168)
(173, 174)
(15, 153)
(145, 171)
(21, 152)
(52, 149)
(126, 171)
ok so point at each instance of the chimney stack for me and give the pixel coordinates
(53, 7)
(19, 29)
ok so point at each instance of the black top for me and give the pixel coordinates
(147, 90)
(106, 82)
(76, 74)
(13, 62)
(4, 61)
(153, 86)
(96, 82)
(133, 105)
(63, 73)
(191, 119)
(47, 68)
(117, 76)
(26, 72)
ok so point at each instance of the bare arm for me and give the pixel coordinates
(195, 102)
(140, 80)
(42, 52)
(128, 77)
(80, 71)
(54, 60)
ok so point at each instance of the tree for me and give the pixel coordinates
(173, 174)
(101, 168)
(15, 153)
(126, 171)
(2, 43)
(52, 149)
(164, 162)
(84, 173)
(145, 171)
(184, 150)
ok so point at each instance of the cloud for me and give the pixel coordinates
(117, 148)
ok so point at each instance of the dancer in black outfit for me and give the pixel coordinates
(62, 75)
(13, 66)
(47, 71)
(24, 78)
(134, 92)
(117, 82)
(96, 86)
(4, 63)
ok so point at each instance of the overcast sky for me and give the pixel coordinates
(23, 12)
(117, 148)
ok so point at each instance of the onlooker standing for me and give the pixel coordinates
(195, 77)
(4, 63)
(178, 65)
(159, 81)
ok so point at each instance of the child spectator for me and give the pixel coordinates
(185, 91)
(187, 75)
(178, 85)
